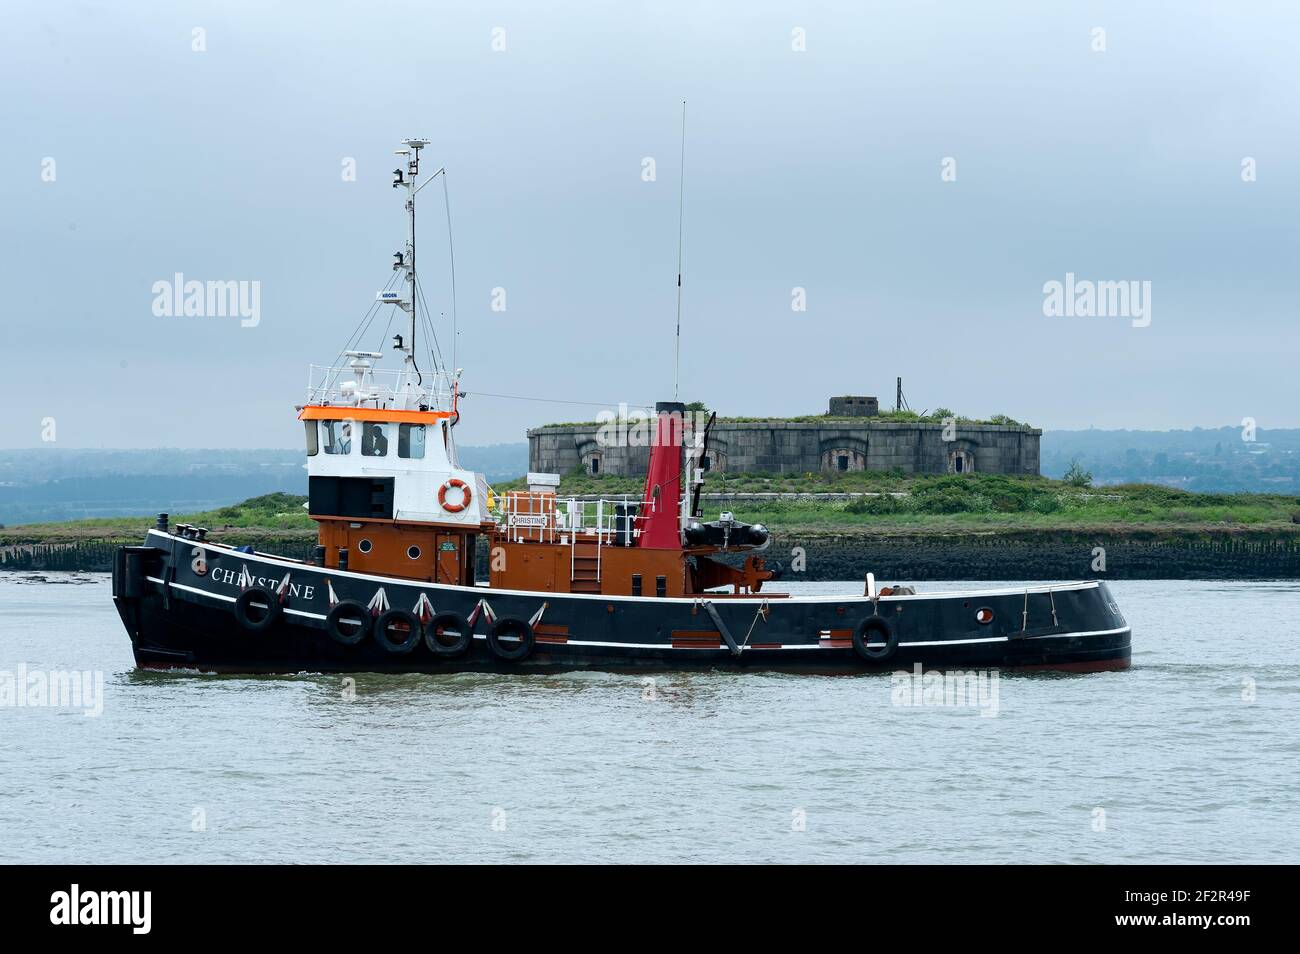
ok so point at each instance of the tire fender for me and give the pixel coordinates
(256, 595)
(413, 636)
(873, 629)
(353, 612)
(511, 651)
(442, 623)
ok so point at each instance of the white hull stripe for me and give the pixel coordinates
(230, 599)
(758, 598)
(692, 649)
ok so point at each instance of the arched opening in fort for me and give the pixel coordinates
(961, 460)
(715, 461)
(843, 454)
(593, 459)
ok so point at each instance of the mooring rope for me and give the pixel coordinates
(762, 611)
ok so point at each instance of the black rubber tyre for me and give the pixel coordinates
(875, 626)
(413, 631)
(445, 624)
(253, 601)
(518, 639)
(357, 616)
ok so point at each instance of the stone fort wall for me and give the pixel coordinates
(807, 447)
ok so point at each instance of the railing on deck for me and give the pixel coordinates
(594, 520)
(379, 388)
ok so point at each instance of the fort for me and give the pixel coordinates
(851, 435)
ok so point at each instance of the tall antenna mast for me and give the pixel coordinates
(681, 204)
(406, 260)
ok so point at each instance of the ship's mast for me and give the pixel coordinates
(406, 259)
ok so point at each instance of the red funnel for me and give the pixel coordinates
(661, 501)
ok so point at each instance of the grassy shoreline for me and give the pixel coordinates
(934, 508)
(942, 505)
(970, 527)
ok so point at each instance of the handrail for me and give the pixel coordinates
(377, 386)
(600, 535)
(548, 516)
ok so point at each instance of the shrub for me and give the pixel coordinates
(884, 504)
(1076, 476)
(1045, 503)
(949, 496)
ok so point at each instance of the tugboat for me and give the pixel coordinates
(613, 584)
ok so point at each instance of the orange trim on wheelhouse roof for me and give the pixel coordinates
(336, 412)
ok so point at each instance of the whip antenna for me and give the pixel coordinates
(681, 200)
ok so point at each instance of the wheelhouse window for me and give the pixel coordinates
(338, 436)
(374, 439)
(410, 441)
(313, 438)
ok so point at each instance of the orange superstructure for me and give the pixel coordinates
(333, 412)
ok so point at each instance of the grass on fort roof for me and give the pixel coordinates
(937, 416)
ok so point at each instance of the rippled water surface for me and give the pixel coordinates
(1190, 756)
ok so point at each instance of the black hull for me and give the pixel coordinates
(178, 618)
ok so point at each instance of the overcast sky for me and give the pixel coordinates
(818, 169)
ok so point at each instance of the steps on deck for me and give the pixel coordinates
(586, 560)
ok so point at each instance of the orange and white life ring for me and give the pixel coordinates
(465, 495)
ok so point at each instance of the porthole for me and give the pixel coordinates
(984, 616)
(365, 546)
(413, 552)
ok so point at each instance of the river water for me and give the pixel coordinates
(1193, 755)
